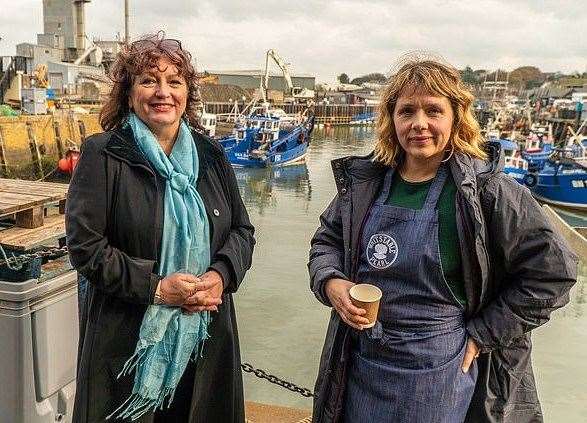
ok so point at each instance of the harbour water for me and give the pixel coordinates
(282, 325)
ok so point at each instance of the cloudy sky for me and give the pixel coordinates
(328, 37)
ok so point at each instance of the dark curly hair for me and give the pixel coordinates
(133, 60)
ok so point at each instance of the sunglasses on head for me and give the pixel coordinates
(167, 44)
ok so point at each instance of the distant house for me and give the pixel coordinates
(348, 87)
(573, 83)
(362, 97)
(367, 98)
(334, 97)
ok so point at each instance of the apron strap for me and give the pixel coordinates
(433, 192)
(436, 187)
(386, 186)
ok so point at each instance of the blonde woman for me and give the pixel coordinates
(467, 263)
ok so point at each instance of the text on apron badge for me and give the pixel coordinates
(381, 251)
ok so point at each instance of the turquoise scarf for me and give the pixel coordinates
(168, 337)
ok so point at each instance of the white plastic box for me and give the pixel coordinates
(34, 100)
(38, 349)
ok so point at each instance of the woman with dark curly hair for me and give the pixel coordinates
(467, 262)
(156, 224)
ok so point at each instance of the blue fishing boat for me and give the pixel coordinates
(537, 157)
(562, 181)
(268, 140)
(265, 136)
(514, 165)
(538, 147)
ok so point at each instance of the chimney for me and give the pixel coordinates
(126, 24)
(80, 25)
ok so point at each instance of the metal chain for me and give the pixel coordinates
(277, 381)
(16, 262)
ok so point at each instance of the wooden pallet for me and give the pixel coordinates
(25, 239)
(28, 200)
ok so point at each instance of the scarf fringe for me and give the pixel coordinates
(136, 405)
(203, 335)
(133, 362)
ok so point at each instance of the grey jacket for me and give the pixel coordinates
(517, 270)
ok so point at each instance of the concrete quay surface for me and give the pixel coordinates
(264, 413)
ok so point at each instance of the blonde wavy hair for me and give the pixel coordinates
(431, 76)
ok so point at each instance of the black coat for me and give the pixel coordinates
(114, 222)
(517, 270)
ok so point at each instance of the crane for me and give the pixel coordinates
(293, 91)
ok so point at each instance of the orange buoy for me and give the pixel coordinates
(69, 162)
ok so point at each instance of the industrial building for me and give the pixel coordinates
(63, 59)
(251, 79)
(64, 37)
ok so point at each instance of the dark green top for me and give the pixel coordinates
(412, 195)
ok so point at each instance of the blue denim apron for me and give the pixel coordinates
(407, 368)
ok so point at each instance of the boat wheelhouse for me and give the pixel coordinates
(515, 166)
(208, 122)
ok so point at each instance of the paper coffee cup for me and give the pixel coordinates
(367, 297)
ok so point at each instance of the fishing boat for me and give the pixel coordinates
(538, 157)
(514, 165)
(267, 139)
(266, 136)
(537, 147)
(562, 181)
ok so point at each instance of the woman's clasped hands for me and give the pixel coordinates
(192, 293)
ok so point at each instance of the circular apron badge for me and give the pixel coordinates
(381, 251)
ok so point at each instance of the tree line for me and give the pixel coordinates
(523, 77)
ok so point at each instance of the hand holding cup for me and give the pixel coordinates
(367, 297)
(337, 291)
